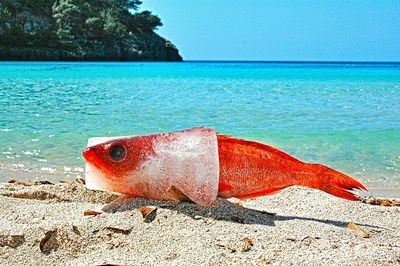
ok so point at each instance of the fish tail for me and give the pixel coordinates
(330, 181)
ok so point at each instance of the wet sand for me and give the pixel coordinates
(45, 225)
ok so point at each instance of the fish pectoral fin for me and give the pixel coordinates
(178, 195)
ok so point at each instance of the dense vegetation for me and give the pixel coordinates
(81, 30)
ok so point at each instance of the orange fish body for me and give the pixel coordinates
(250, 169)
(204, 165)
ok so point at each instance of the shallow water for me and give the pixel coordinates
(345, 116)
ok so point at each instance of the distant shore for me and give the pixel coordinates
(81, 31)
(66, 224)
(157, 49)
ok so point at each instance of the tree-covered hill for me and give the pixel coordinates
(81, 30)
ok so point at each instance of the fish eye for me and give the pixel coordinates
(117, 152)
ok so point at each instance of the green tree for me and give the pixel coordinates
(68, 17)
(144, 22)
(26, 22)
(5, 23)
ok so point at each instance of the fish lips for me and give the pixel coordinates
(96, 171)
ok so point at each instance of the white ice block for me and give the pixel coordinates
(187, 160)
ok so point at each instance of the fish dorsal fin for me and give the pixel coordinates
(257, 145)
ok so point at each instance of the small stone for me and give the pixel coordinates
(171, 256)
(246, 245)
(12, 241)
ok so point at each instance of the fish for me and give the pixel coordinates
(204, 165)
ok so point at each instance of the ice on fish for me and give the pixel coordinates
(187, 160)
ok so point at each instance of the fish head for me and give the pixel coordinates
(114, 162)
(148, 166)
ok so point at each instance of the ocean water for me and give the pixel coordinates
(346, 116)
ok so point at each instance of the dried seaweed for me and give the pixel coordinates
(356, 228)
(381, 202)
(178, 195)
(16, 182)
(148, 213)
(91, 213)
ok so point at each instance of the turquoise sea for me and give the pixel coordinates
(344, 115)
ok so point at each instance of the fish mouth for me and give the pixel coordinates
(95, 171)
(87, 154)
(90, 157)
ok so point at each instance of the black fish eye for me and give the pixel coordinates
(117, 152)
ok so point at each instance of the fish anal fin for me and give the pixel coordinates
(269, 191)
(178, 195)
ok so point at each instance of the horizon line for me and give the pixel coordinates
(294, 61)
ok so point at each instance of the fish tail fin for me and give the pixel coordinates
(331, 181)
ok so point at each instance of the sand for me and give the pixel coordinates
(46, 225)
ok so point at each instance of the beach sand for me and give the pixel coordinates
(46, 225)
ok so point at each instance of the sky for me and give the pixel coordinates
(328, 30)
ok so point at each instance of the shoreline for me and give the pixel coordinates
(388, 191)
(46, 224)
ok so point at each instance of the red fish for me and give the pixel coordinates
(203, 165)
